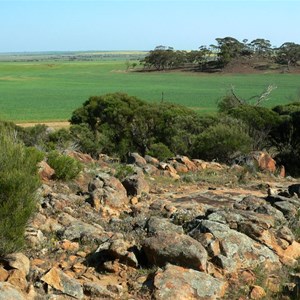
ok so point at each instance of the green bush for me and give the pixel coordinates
(18, 184)
(222, 141)
(160, 151)
(65, 167)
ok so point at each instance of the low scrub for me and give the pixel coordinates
(65, 167)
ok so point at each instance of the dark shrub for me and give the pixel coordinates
(18, 184)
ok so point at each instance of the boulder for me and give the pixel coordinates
(237, 250)
(108, 191)
(75, 229)
(264, 161)
(18, 261)
(179, 249)
(82, 157)
(177, 283)
(151, 160)
(135, 185)
(9, 292)
(135, 158)
(191, 166)
(63, 283)
(156, 224)
(98, 291)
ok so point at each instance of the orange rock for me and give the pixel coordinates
(18, 279)
(3, 274)
(257, 292)
(45, 171)
(69, 246)
(265, 161)
(282, 171)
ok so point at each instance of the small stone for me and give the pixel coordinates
(81, 254)
(257, 292)
(69, 246)
(134, 200)
(3, 274)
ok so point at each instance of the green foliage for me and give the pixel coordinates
(35, 136)
(160, 151)
(222, 141)
(123, 171)
(120, 123)
(259, 120)
(65, 167)
(286, 137)
(18, 184)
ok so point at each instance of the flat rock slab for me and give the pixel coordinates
(177, 283)
(63, 283)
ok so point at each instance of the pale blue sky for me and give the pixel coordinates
(44, 25)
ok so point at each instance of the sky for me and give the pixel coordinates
(82, 25)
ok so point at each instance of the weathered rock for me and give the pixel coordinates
(135, 158)
(180, 167)
(257, 292)
(177, 283)
(261, 206)
(175, 248)
(75, 229)
(119, 248)
(191, 166)
(18, 261)
(237, 249)
(34, 237)
(108, 191)
(3, 274)
(18, 279)
(82, 157)
(156, 224)
(63, 283)
(151, 160)
(135, 185)
(98, 291)
(45, 171)
(9, 292)
(287, 208)
(265, 161)
(151, 170)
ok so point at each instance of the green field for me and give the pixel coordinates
(51, 90)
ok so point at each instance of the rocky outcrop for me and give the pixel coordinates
(155, 237)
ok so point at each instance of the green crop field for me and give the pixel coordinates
(49, 90)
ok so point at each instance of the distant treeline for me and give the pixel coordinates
(218, 56)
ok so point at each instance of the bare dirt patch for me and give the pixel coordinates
(55, 125)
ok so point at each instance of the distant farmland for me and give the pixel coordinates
(48, 88)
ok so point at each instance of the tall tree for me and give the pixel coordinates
(228, 49)
(288, 53)
(261, 47)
